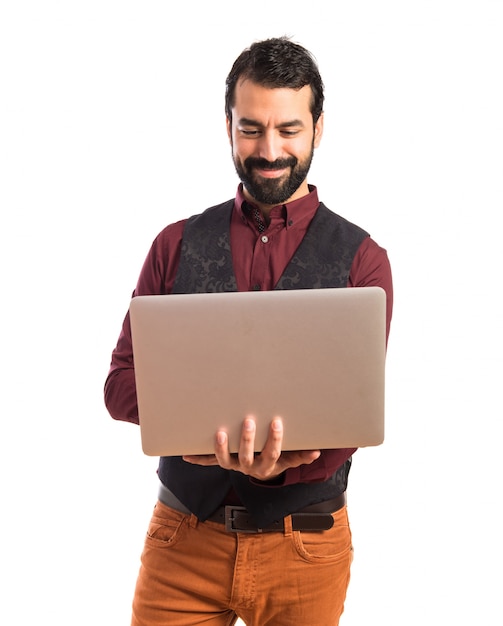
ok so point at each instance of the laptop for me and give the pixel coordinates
(314, 357)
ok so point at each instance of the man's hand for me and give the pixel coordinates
(266, 465)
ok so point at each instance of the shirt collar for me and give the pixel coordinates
(295, 213)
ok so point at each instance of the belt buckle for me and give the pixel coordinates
(230, 518)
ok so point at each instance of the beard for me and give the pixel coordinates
(273, 191)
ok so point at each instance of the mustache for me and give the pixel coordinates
(264, 164)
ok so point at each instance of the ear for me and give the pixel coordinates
(228, 124)
(318, 131)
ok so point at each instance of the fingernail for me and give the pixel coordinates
(276, 425)
(221, 438)
(249, 424)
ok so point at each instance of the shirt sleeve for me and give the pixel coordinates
(370, 267)
(156, 278)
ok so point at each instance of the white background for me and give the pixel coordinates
(111, 127)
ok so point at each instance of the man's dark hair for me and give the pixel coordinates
(276, 63)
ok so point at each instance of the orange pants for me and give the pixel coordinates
(198, 573)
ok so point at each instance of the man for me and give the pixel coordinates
(274, 234)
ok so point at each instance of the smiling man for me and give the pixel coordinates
(260, 536)
(273, 137)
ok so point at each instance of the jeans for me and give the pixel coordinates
(198, 573)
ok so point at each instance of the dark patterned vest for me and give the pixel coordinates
(322, 260)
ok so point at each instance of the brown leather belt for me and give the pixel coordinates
(314, 518)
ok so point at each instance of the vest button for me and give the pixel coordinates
(256, 287)
(264, 238)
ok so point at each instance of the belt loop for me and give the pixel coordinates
(193, 521)
(287, 522)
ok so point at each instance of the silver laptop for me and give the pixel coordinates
(314, 357)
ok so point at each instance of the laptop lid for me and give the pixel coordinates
(313, 357)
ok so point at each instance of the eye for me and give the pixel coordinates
(249, 132)
(290, 130)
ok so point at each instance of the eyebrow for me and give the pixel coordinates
(245, 121)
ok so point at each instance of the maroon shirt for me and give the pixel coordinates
(259, 259)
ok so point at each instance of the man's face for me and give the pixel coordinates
(273, 140)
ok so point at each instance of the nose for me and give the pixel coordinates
(269, 146)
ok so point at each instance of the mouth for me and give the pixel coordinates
(270, 170)
(270, 173)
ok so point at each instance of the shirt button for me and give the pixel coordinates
(264, 238)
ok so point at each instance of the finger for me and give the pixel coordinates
(200, 459)
(296, 458)
(272, 448)
(222, 453)
(246, 453)
(308, 456)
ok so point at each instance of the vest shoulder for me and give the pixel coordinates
(328, 215)
(223, 209)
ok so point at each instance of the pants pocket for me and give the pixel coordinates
(330, 545)
(166, 526)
